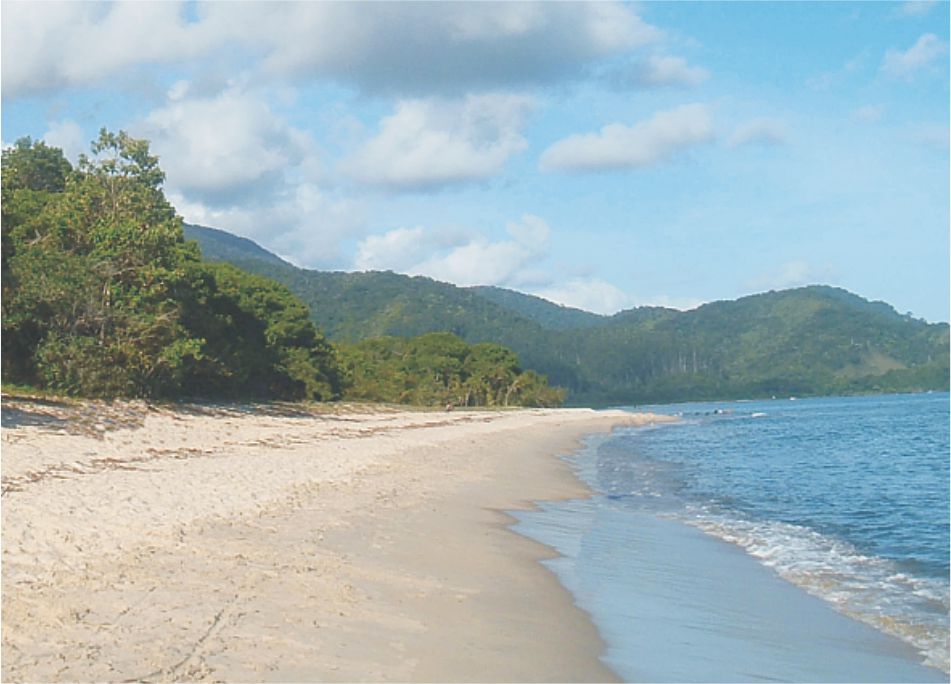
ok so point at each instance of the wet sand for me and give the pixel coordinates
(283, 544)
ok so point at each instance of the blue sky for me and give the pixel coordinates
(603, 155)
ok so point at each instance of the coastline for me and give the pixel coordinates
(254, 544)
(675, 603)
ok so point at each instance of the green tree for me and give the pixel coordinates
(104, 297)
(439, 368)
(34, 279)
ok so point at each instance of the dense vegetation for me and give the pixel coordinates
(104, 297)
(808, 341)
(439, 368)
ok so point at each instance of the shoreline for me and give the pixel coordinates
(637, 572)
(203, 543)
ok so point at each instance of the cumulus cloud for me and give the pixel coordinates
(617, 146)
(589, 294)
(423, 48)
(394, 48)
(224, 149)
(759, 131)
(919, 57)
(455, 258)
(68, 136)
(232, 162)
(791, 274)
(47, 45)
(397, 250)
(430, 143)
(300, 223)
(660, 71)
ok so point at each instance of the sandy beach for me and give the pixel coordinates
(277, 543)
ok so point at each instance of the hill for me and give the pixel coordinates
(217, 245)
(806, 341)
(547, 314)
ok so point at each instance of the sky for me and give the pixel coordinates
(602, 155)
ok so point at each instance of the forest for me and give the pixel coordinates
(808, 341)
(104, 297)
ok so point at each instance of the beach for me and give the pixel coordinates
(285, 543)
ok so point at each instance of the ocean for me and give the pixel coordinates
(781, 540)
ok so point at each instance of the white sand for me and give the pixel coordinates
(284, 545)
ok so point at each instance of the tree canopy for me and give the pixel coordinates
(439, 368)
(104, 297)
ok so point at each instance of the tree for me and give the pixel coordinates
(104, 297)
(33, 176)
(439, 368)
(259, 340)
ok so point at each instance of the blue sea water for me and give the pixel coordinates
(846, 499)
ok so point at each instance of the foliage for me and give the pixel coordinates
(102, 295)
(547, 314)
(807, 341)
(438, 369)
(259, 338)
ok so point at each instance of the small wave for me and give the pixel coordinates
(866, 588)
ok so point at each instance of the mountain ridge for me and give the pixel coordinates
(816, 339)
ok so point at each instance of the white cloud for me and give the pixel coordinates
(397, 250)
(589, 294)
(600, 296)
(430, 143)
(661, 71)
(450, 257)
(920, 56)
(226, 149)
(47, 45)
(618, 146)
(668, 302)
(509, 19)
(408, 48)
(792, 274)
(424, 48)
(178, 91)
(301, 224)
(759, 131)
(869, 113)
(232, 163)
(68, 136)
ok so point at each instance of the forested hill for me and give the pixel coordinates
(807, 341)
(218, 245)
(545, 313)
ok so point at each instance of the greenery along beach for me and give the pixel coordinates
(102, 296)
